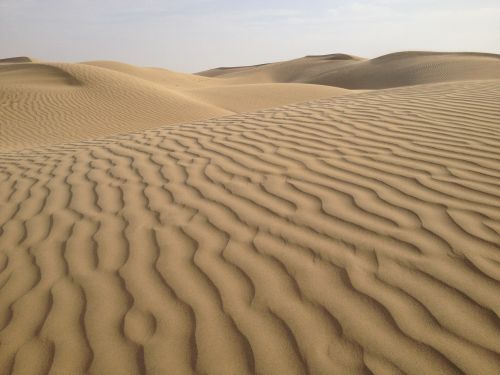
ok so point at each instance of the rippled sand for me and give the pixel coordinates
(349, 235)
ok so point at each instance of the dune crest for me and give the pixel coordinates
(348, 235)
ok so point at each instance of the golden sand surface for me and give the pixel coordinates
(149, 227)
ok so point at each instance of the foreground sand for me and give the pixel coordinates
(350, 235)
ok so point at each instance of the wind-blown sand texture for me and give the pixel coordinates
(252, 220)
(46, 103)
(350, 235)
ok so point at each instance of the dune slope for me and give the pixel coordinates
(55, 103)
(50, 103)
(350, 72)
(350, 235)
(251, 97)
(296, 70)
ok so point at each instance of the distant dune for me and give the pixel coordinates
(148, 228)
(350, 72)
(16, 59)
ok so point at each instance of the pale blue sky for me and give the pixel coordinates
(193, 35)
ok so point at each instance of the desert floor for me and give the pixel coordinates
(328, 215)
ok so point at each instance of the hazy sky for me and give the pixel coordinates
(192, 35)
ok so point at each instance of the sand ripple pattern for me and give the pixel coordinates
(351, 235)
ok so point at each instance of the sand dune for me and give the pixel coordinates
(297, 70)
(164, 77)
(50, 103)
(393, 70)
(69, 102)
(357, 234)
(16, 59)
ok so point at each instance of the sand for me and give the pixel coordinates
(352, 72)
(70, 102)
(354, 234)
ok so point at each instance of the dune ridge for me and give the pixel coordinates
(350, 235)
(352, 72)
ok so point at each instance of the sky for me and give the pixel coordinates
(194, 35)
